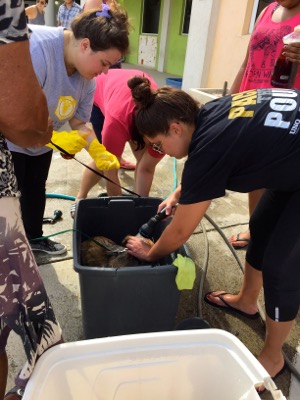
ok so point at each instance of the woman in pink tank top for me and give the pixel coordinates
(265, 46)
(274, 22)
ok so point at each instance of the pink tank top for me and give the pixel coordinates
(265, 46)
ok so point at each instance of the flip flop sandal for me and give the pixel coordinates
(227, 307)
(127, 165)
(239, 239)
(15, 390)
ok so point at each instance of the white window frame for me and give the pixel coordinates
(254, 12)
(253, 15)
(183, 18)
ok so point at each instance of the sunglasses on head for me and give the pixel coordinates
(157, 147)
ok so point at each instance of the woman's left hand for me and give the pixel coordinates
(138, 247)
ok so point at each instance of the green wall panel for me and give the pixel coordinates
(134, 10)
(176, 44)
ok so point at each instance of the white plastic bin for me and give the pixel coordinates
(180, 365)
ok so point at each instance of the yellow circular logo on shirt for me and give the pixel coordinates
(65, 108)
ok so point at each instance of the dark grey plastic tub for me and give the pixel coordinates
(130, 299)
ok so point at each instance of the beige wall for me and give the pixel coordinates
(231, 41)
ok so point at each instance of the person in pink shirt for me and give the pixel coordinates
(275, 21)
(113, 120)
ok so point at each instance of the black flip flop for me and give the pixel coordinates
(227, 307)
(239, 239)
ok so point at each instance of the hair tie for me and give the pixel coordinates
(104, 13)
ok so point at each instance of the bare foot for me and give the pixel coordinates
(240, 240)
(272, 365)
(275, 366)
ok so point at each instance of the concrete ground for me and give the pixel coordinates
(229, 213)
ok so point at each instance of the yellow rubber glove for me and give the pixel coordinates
(186, 273)
(104, 159)
(72, 141)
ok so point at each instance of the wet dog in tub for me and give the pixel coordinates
(101, 251)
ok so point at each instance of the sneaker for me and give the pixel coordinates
(48, 246)
(16, 392)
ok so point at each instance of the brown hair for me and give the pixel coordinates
(104, 33)
(159, 108)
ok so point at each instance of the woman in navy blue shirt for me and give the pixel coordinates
(241, 142)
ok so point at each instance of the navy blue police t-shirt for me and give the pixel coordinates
(243, 142)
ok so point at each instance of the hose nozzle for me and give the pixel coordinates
(148, 228)
(57, 217)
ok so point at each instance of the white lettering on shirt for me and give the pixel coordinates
(295, 128)
(274, 119)
(280, 104)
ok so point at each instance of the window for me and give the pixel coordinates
(151, 13)
(186, 17)
(259, 5)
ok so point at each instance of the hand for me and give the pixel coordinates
(71, 141)
(104, 159)
(293, 52)
(138, 247)
(170, 202)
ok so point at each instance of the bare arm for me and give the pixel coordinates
(31, 12)
(78, 125)
(113, 190)
(58, 18)
(23, 106)
(144, 173)
(183, 224)
(235, 87)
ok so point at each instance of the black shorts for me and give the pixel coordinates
(274, 249)
(97, 120)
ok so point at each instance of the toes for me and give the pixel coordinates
(216, 293)
(214, 297)
(233, 238)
